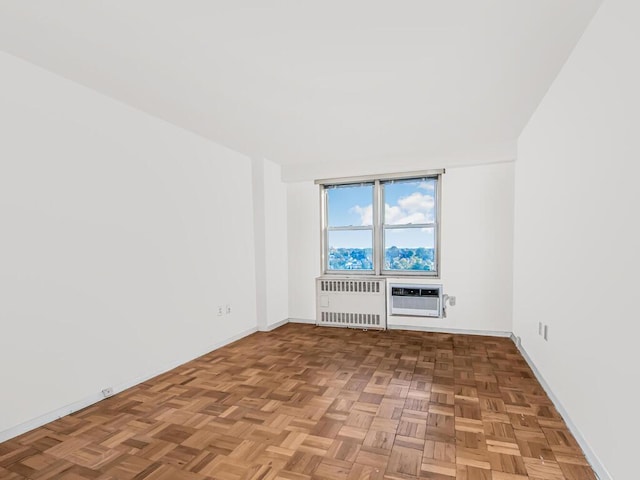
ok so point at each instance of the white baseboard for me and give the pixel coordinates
(302, 320)
(597, 466)
(487, 333)
(49, 417)
(273, 326)
(592, 458)
(95, 398)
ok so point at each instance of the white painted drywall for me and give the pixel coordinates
(479, 155)
(257, 181)
(477, 250)
(119, 236)
(303, 220)
(577, 238)
(270, 224)
(477, 240)
(312, 82)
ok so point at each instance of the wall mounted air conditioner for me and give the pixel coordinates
(351, 302)
(416, 300)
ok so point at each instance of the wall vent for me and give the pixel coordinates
(359, 286)
(348, 302)
(351, 319)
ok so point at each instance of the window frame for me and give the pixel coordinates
(379, 227)
(327, 229)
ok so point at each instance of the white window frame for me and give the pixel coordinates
(378, 226)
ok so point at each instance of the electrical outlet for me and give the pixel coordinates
(546, 332)
(539, 328)
(452, 301)
(228, 309)
(220, 310)
(107, 392)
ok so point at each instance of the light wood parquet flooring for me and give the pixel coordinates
(305, 402)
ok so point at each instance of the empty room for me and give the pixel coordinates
(289, 240)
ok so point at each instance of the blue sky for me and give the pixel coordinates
(405, 202)
(342, 201)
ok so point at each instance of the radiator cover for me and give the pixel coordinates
(351, 302)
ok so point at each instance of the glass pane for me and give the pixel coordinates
(350, 205)
(410, 201)
(350, 250)
(409, 249)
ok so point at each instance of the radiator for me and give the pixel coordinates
(349, 302)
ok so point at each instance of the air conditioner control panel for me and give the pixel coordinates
(415, 292)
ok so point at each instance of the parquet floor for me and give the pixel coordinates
(305, 402)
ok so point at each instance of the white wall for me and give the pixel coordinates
(476, 251)
(476, 254)
(270, 226)
(120, 235)
(577, 238)
(303, 219)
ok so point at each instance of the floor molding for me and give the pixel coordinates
(34, 423)
(24, 427)
(273, 326)
(301, 320)
(593, 459)
(486, 333)
(597, 466)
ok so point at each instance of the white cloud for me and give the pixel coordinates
(429, 186)
(366, 214)
(416, 208)
(416, 202)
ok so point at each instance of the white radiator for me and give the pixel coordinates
(349, 302)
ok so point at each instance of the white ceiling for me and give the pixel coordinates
(306, 84)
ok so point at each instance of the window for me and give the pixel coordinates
(349, 230)
(409, 224)
(381, 226)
